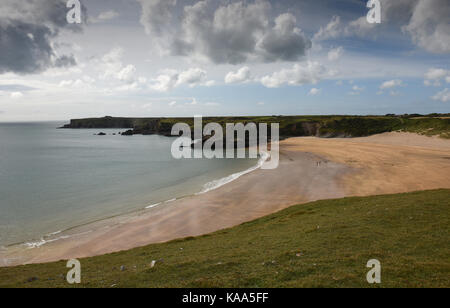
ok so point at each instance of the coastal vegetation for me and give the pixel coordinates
(321, 244)
(290, 126)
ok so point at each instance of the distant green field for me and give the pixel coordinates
(320, 244)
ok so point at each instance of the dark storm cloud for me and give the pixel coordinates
(231, 33)
(27, 30)
(285, 41)
(426, 22)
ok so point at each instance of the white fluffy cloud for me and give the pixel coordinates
(77, 83)
(104, 16)
(335, 29)
(434, 76)
(170, 79)
(225, 33)
(16, 95)
(301, 74)
(112, 67)
(335, 54)
(443, 96)
(436, 73)
(314, 91)
(356, 90)
(241, 76)
(122, 77)
(330, 31)
(192, 77)
(391, 84)
(359, 27)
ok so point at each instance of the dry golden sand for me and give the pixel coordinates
(386, 163)
(310, 169)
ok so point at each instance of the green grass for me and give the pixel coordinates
(320, 244)
(428, 126)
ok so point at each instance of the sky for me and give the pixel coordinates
(153, 58)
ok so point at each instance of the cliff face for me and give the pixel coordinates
(145, 126)
(163, 126)
(106, 122)
(290, 126)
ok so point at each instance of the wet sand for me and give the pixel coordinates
(310, 169)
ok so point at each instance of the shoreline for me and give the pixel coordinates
(310, 169)
(207, 187)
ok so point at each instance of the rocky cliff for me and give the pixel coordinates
(290, 126)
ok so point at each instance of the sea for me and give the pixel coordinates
(52, 179)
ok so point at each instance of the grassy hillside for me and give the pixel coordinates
(290, 126)
(321, 244)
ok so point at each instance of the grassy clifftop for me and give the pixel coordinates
(290, 126)
(321, 244)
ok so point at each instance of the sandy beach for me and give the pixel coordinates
(310, 169)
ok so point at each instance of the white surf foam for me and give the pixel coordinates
(224, 181)
(153, 205)
(54, 233)
(157, 204)
(47, 239)
(43, 242)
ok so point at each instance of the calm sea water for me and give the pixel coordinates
(54, 179)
